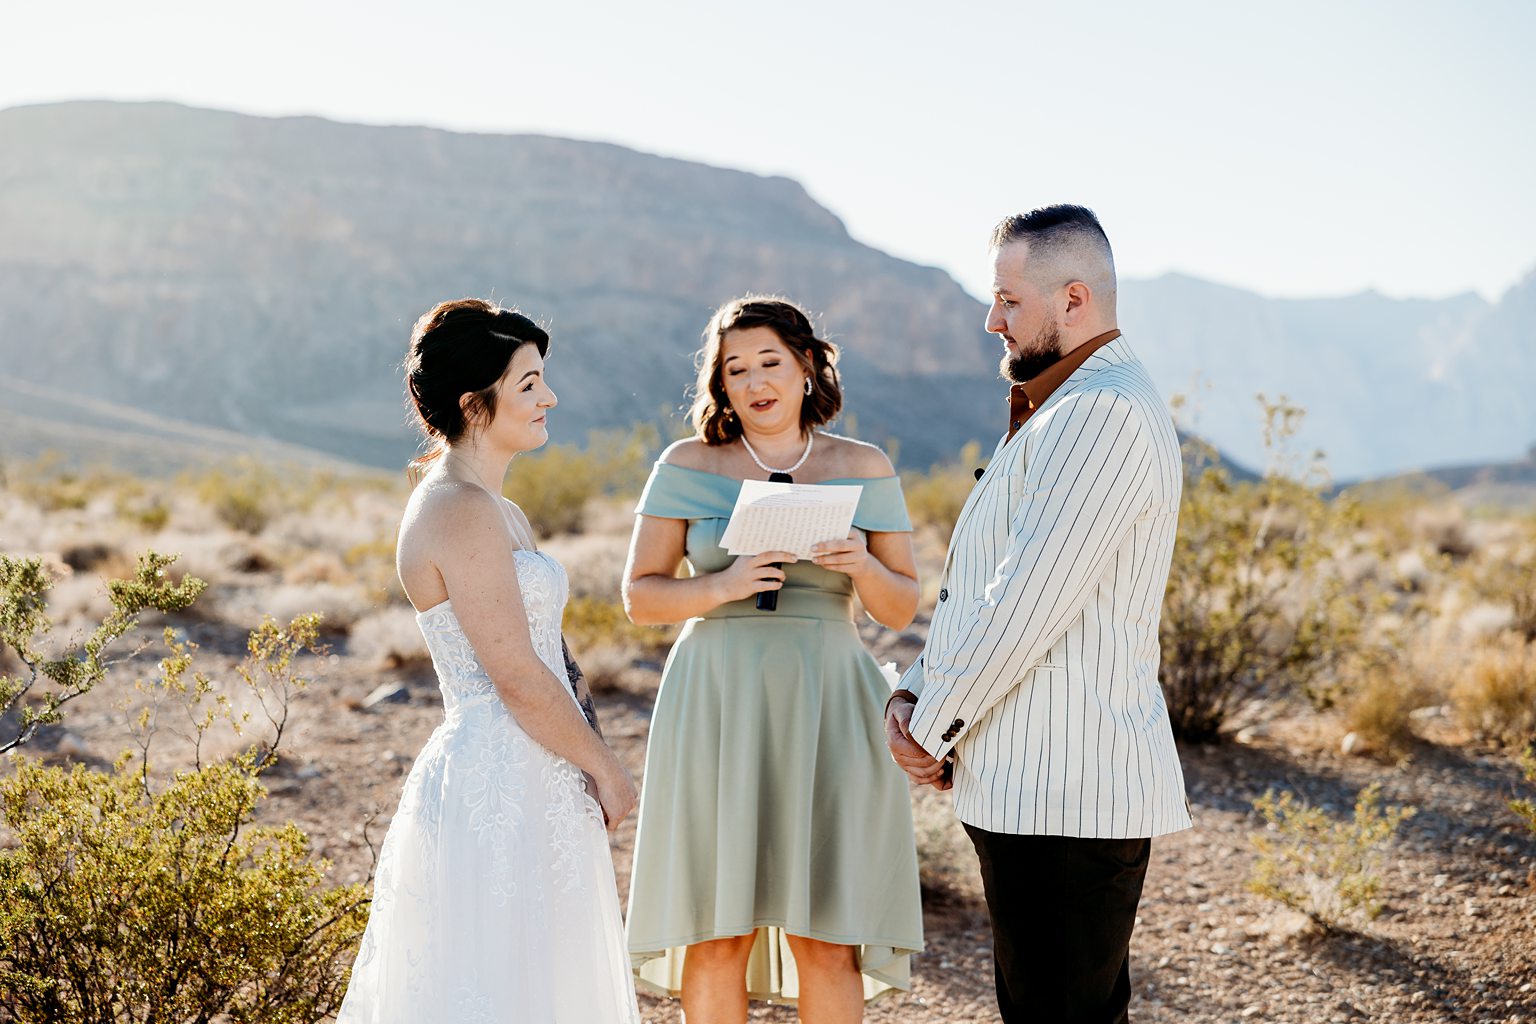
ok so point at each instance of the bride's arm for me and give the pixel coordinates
(578, 682)
(474, 554)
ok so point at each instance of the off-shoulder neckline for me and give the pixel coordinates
(829, 480)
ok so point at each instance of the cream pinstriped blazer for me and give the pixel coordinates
(1040, 669)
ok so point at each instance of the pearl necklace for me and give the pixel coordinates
(809, 441)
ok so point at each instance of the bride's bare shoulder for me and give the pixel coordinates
(438, 503)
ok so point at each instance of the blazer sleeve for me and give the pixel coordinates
(1088, 479)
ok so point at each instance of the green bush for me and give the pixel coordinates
(123, 899)
(1250, 602)
(1378, 706)
(1511, 582)
(593, 622)
(1323, 867)
(74, 671)
(52, 486)
(134, 504)
(1526, 808)
(117, 904)
(1495, 692)
(244, 496)
(554, 485)
(935, 498)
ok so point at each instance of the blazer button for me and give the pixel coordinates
(957, 725)
(943, 593)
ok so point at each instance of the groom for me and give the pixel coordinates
(1036, 696)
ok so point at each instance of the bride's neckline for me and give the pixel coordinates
(446, 604)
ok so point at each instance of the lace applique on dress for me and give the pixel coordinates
(494, 897)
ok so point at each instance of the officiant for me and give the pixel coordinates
(774, 857)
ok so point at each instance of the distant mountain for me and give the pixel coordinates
(1507, 486)
(1388, 385)
(260, 276)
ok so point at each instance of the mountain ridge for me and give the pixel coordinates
(261, 275)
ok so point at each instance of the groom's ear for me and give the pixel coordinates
(1077, 298)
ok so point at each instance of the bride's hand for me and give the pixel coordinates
(752, 574)
(616, 794)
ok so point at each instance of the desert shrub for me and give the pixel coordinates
(126, 900)
(606, 643)
(244, 496)
(935, 498)
(1495, 692)
(1394, 508)
(1250, 603)
(1443, 526)
(1511, 583)
(1379, 706)
(75, 670)
(1324, 867)
(1526, 809)
(592, 621)
(554, 485)
(133, 504)
(117, 905)
(373, 562)
(47, 483)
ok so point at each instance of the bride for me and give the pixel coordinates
(494, 898)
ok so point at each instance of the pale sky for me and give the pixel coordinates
(1296, 149)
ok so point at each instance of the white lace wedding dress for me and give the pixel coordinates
(494, 899)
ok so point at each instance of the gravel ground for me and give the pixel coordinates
(1457, 941)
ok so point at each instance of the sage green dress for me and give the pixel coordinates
(770, 803)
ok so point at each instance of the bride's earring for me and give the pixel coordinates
(807, 385)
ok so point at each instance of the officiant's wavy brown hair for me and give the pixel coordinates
(712, 416)
(462, 348)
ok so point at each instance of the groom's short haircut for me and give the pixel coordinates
(1066, 243)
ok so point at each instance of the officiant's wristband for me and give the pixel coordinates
(906, 695)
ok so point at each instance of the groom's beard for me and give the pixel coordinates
(1034, 358)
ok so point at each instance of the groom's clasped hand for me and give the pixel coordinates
(921, 767)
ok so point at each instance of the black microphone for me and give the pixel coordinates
(768, 600)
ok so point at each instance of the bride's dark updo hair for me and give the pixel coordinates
(462, 348)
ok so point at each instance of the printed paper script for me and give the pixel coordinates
(789, 517)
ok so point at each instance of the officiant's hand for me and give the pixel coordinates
(921, 767)
(849, 556)
(752, 574)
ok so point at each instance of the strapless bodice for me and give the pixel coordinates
(460, 675)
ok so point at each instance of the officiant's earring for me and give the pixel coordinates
(807, 385)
